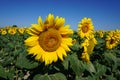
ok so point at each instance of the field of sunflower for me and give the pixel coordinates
(50, 50)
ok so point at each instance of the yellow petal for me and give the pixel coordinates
(32, 41)
(33, 31)
(65, 30)
(63, 51)
(38, 57)
(59, 22)
(35, 50)
(67, 41)
(54, 56)
(47, 59)
(29, 32)
(40, 22)
(60, 54)
(49, 21)
(65, 47)
(37, 28)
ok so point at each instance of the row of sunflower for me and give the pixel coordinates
(11, 30)
(50, 50)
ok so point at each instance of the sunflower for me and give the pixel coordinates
(89, 44)
(92, 42)
(49, 40)
(117, 33)
(3, 32)
(12, 31)
(101, 33)
(112, 39)
(21, 30)
(85, 57)
(85, 44)
(85, 27)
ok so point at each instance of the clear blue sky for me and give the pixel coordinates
(105, 14)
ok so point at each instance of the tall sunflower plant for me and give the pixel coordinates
(50, 50)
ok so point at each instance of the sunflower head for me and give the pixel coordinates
(85, 27)
(3, 32)
(12, 31)
(21, 30)
(112, 39)
(101, 33)
(49, 40)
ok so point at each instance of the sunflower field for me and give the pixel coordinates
(50, 50)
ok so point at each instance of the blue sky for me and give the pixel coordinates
(105, 14)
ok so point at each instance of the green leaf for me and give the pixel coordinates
(10, 76)
(7, 60)
(76, 64)
(110, 78)
(65, 63)
(111, 60)
(110, 56)
(118, 61)
(56, 76)
(6, 75)
(41, 77)
(100, 70)
(117, 74)
(75, 47)
(10, 45)
(85, 78)
(24, 62)
(2, 72)
(90, 67)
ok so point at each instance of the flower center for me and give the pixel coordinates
(50, 40)
(112, 41)
(85, 28)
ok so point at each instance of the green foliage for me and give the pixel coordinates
(23, 62)
(56, 76)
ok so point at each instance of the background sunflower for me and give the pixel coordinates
(85, 27)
